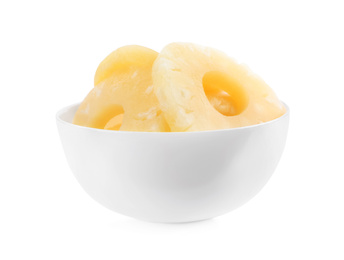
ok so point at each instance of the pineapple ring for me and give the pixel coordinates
(200, 88)
(123, 96)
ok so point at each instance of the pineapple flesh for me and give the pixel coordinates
(123, 96)
(200, 88)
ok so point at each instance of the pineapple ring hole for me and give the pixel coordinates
(115, 123)
(111, 118)
(224, 93)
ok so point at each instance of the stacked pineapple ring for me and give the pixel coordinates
(123, 97)
(184, 88)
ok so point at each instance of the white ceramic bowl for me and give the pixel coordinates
(172, 177)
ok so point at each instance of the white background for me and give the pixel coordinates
(48, 56)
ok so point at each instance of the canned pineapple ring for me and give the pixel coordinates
(123, 96)
(200, 88)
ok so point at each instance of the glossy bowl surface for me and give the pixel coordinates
(172, 177)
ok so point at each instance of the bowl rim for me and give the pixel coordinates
(65, 109)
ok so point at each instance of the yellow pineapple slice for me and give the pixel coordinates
(123, 96)
(200, 88)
